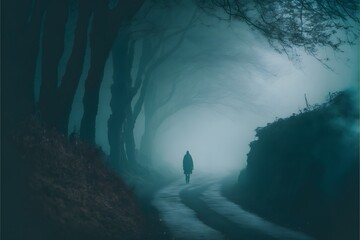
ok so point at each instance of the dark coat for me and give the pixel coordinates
(188, 164)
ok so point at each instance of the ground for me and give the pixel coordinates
(200, 211)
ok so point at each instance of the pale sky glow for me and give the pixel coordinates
(211, 138)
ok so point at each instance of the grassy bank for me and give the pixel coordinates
(71, 194)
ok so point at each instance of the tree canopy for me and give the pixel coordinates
(306, 24)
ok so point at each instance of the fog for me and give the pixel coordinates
(253, 86)
(228, 81)
(212, 138)
(104, 100)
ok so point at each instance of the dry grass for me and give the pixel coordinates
(73, 189)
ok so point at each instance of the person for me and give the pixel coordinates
(188, 166)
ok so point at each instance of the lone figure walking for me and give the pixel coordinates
(188, 166)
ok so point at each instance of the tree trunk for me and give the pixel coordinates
(130, 146)
(20, 24)
(100, 47)
(91, 97)
(141, 84)
(53, 48)
(106, 25)
(74, 68)
(120, 101)
(20, 45)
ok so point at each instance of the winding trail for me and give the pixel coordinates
(199, 211)
(180, 219)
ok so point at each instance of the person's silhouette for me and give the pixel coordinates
(188, 166)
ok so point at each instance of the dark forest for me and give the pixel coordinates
(169, 119)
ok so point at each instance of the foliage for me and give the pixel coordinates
(306, 24)
(303, 171)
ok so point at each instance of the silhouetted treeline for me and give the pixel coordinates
(33, 38)
(303, 171)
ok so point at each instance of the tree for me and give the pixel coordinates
(70, 81)
(123, 90)
(128, 94)
(106, 24)
(21, 26)
(287, 25)
(121, 99)
(53, 48)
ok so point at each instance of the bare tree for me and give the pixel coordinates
(287, 25)
(123, 54)
(128, 94)
(105, 26)
(70, 81)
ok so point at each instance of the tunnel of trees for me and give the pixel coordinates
(129, 32)
(118, 29)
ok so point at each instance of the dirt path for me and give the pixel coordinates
(199, 211)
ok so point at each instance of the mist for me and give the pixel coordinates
(229, 81)
(136, 119)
